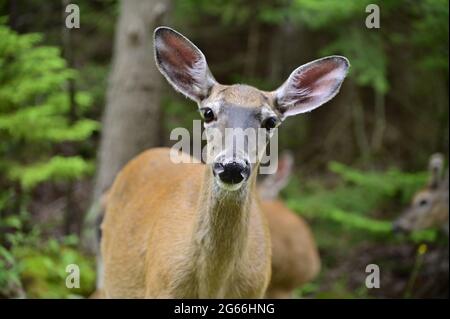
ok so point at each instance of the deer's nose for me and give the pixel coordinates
(232, 172)
(397, 228)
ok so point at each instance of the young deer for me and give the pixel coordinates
(429, 206)
(295, 259)
(193, 230)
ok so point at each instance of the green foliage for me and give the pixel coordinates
(431, 33)
(388, 183)
(9, 274)
(36, 118)
(359, 195)
(234, 11)
(35, 112)
(320, 14)
(179, 113)
(357, 208)
(368, 66)
(38, 267)
(43, 269)
(58, 168)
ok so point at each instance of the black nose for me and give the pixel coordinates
(232, 172)
(397, 228)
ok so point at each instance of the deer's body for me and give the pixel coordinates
(190, 230)
(295, 259)
(170, 250)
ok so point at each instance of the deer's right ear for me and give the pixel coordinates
(182, 64)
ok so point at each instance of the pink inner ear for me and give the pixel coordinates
(317, 82)
(177, 52)
(313, 76)
(178, 59)
(312, 85)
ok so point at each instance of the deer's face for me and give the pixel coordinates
(238, 119)
(429, 206)
(428, 209)
(238, 122)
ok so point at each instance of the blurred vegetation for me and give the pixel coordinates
(34, 120)
(34, 112)
(36, 268)
(359, 159)
(358, 208)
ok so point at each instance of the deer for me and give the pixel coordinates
(430, 205)
(295, 258)
(191, 230)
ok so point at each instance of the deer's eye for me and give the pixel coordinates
(269, 123)
(423, 202)
(207, 114)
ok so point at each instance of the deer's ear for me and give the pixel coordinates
(271, 186)
(311, 85)
(435, 168)
(182, 64)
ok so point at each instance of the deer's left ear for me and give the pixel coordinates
(311, 85)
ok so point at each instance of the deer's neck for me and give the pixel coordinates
(220, 234)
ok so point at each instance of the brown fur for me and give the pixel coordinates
(160, 241)
(295, 259)
(241, 94)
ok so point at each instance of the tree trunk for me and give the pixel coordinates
(130, 121)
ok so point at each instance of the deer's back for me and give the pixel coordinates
(295, 259)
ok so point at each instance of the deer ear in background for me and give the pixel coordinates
(271, 186)
(435, 168)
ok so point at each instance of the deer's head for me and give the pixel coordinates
(429, 206)
(230, 110)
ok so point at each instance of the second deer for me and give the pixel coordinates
(429, 206)
(295, 259)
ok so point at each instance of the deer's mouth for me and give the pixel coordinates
(229, 187)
